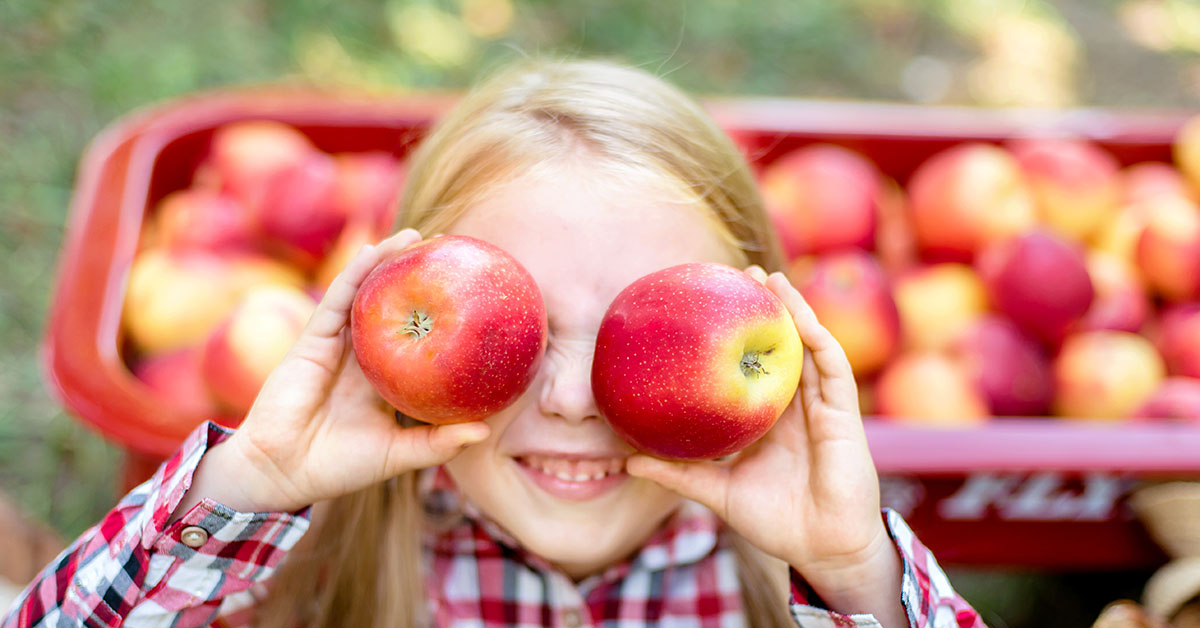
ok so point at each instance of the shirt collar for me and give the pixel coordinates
(689, 535)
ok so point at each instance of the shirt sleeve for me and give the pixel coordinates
(925, 591)
(133, 569)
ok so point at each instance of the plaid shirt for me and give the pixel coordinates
(134, 569)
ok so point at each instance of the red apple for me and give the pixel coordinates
(299, 216)
(450, 330)
(1121, 302)
(853, 300)
(248, 345)
(1105, 374)
(895, 242)
(1168, 250)
(937, 303)
(1177, 398)
(1008, 367)
(368, 187)
(967, 197)
(1179, 339)
(177, 379)
(175, 298)
(1119, 235)
(1147, 180)
(246, 155)
(695, 362)
(928, 388)
(1074, 182)
(354, 236)
(1040, 281)
(1186, 150)
(203, 219)
(822, 197)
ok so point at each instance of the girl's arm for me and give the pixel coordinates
(137, 567)
(172, 551)
(807, 493)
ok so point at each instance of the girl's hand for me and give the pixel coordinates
(318, 429)
(807, 492)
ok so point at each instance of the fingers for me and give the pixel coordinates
(428, 445)
(810, 381)
(837, 379)
(757, 273)
(352, 385)
(397, 242)
(702, 482)
(812, 333)
(334, 309)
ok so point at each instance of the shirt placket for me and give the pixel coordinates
(566, 600)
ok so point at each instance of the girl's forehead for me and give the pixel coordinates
(593, 229)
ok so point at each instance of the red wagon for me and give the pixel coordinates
(1030, 492)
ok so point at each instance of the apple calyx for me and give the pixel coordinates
(751, 365)
(419, 326)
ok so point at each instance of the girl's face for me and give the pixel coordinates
(552, 471)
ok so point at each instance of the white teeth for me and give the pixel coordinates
(572, 472)
(579, 477)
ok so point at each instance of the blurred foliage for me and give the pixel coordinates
(69, 67)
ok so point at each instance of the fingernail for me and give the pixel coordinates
(474, 434)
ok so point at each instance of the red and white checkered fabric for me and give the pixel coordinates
(132, 569)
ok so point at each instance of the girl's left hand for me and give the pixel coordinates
(807, 492)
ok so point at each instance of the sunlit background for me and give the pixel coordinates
(70, 67)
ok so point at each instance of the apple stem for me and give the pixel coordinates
(751, 365)
(419, 326)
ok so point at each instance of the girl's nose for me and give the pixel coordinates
(567, 391)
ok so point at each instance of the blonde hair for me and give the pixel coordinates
(363, 567)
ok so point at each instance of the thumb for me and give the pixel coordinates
(428, 445)
(703, 482)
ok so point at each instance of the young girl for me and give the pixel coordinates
(591, 175)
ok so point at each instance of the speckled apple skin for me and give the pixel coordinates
(667, 372)
(487, 338)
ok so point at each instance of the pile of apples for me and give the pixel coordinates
(228, 270)
(1037, 277)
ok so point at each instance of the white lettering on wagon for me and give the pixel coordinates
(902, 494)
(1042, 496)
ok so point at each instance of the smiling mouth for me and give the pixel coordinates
(574, 470)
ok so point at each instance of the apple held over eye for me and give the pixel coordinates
(695, 361)
(450, 330)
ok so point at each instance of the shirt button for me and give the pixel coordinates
(194, 536)
(572, 618)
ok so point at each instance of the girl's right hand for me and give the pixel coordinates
(318, 429)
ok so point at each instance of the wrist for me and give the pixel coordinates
(867, 582)
(844, 575)
(248, 480)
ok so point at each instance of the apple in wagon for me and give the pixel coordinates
(244, 349)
